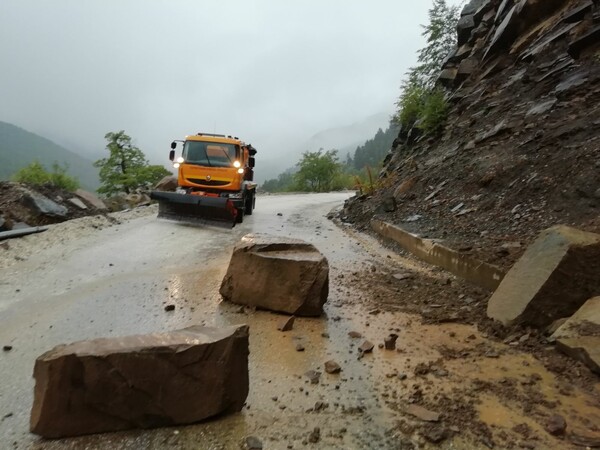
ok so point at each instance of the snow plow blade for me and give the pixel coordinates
(195, 209)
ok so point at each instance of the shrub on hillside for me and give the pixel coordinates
(36, 174)
(434, 111)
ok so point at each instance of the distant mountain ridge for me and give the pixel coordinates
(350, 136)
(19, 148)
(345, 139)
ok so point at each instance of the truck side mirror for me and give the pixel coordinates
(251, 162)
(251, 150)
(172, 154)
(173, 145)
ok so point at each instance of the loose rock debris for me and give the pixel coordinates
(332, 367)
(313, 376)
(286, 324)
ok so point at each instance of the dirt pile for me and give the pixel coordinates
(520, 151)
(25, 205)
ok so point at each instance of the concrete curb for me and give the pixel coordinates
(461, 265)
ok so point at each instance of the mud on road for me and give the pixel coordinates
(115, 278)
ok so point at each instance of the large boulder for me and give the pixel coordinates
(168, 183)
(40, 205)
(91, 199)
(579, 336)
(140, 381)
(277, 273)
(553, 279)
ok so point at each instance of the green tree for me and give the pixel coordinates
(126, 168)
(440, 34)
(421, 102)
(36, 174)
(283, 183)
(317, 171)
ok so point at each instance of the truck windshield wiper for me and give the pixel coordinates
(207, 158)
(227, 156)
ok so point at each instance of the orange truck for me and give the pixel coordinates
(215, 181)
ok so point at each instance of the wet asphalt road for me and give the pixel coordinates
(117, 281)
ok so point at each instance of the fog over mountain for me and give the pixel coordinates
(273, 73)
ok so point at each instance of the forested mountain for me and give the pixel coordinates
(372, 152)
(19, 148)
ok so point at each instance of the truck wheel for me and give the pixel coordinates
(249, 204)
(240, 215)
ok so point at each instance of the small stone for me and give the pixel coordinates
(402, 276)
(279, 214)
(457, 207)
(366, 347)
(491, 354)
(354, 334)
(299, 347)
(332, 367)
(315, 435)
(7, 348)
(390, 341)
(169, 307)
(436, 434)
(286, 324)
(423, 414)
(252, 443)
(556, 425)
(313, 376)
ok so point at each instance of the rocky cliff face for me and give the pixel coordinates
(521, 148)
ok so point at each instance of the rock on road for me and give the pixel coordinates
(117, 281)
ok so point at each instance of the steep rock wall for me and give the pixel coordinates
(521, 148)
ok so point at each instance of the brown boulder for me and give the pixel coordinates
(140, 381)
(168, 183)
(579, 336)
(553, 279)
(91, 199)
(277, 273)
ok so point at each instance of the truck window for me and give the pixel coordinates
(213, 154)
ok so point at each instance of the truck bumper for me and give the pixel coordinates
(196, 209)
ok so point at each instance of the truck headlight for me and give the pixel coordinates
(240, 170)
(176, 165)
(180, 160)
(237, 164)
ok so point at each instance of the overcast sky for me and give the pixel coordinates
(271, 72)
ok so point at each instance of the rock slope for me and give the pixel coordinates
(520, 150)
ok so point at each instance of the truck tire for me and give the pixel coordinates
(249, 204)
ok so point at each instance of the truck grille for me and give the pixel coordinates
(208, 182)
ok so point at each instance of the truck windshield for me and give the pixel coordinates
(211, 154)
